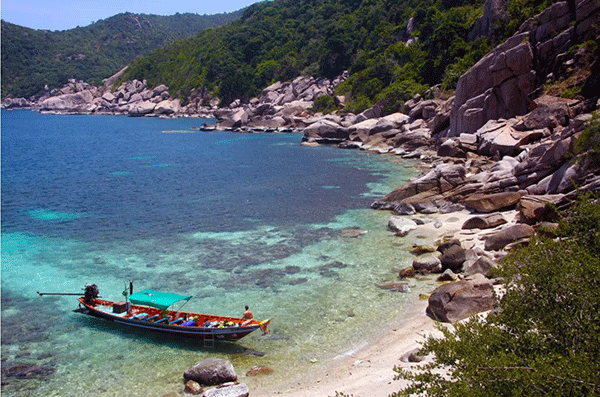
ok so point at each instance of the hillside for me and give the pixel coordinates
(281, 39)
(33, 58)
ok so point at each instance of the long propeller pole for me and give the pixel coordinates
(59, 293)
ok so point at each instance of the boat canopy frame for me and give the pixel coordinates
(160, 300)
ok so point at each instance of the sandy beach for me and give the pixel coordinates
(365, 372)
(368, 371)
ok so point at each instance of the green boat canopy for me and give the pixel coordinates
(161, 300)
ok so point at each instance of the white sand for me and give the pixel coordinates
(368, 371)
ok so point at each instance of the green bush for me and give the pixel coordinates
(588, 141)
(325, 104)
(544, 338)
(393, 97)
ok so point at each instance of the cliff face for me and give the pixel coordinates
(503, 83)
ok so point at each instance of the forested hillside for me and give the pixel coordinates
(281, 39)
(33, 58)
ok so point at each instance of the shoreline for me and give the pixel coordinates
(367, 370)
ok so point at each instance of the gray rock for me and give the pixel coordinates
(401, 226)
(158, 90)
(427, 263)
(507, 236)
(69, 102)
(451, 148)
(483, 265)
(238, 390)
(453, 258)
(412, 356)
(535, 209)
(212, 371)
(141, 108)
(325, 129)
(498, 86)
(486, 203)
(455, 301)
(447, 275)
(168, 107)
(484, 222)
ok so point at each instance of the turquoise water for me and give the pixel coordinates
(232, 219)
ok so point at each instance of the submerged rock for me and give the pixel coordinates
(259, 370)
(397, 287)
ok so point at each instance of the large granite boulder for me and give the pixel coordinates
(484, 221)
(9, 103)
(550, 112)
(509, 235)
(325, 131)
(141, 108)
(482, 265)
(455, 301)
(212, 371)
(427, 263)
(535, 209)
(498, 86)
(501, 84)
(401, 226)
(76, 102)
(453, 255)
(485, 203)
(168, 107)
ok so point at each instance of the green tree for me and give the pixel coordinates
(545, 337)
(588, 142)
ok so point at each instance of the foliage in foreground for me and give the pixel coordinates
(545, 337)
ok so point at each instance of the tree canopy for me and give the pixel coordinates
(32, 59)
(279, 40)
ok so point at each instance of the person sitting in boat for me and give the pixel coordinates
(247, 314)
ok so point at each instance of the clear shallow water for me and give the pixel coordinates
(231, 219)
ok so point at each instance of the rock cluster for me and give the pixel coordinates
(214, 372)
(399, 133)
(280, 105)
(507, 151)
(134, 98)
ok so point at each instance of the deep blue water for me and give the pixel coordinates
(100, 178)
(230, 218)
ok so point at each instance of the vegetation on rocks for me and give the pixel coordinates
(32, 59)
(544, 339)
(588, 142)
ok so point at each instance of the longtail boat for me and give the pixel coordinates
(149, 310)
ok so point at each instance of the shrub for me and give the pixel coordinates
(589, 140)
(544, 338)
(325, 104)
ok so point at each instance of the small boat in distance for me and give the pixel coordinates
(149, 310)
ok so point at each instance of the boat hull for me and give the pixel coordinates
(240, 328)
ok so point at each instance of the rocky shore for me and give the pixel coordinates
(499, 151)
(499, 143)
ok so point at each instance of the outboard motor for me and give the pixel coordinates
(91, 293)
